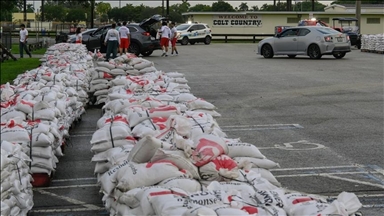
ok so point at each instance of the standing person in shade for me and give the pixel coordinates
(79, 36)
(23, 41)
(173, 38)
(112, 41)
(125, 38)
(164, 40)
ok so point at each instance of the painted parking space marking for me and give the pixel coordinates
(67, 186)
(75, 179)
(301, 145)
(260, 127)
(67, 210)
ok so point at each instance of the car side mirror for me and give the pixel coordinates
(278, 35)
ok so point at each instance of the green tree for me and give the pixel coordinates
(102, 8)
(76, 15)
(307, 6)
(243, 6)
(53, 12)
(222, 6)
(116, 14)
(255, 8)
(200, 8)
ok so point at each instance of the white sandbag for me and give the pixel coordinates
(209, 198)
(42, 163)
(102, 69)
(11, 113)
(113, 154)
(200, 103)
(25, 106)
(255, 180)
(104, 146)
(117, 71)
(267, 175)
(207, 148)
(255, 162)
(175, 74)
(106, 64)
(184, 97)
(41, 140)
(181, 124)
(42, 152)
(291, 199)
(178, 159)
(148, 69)
(15, 134)
(144, 150)
(186, 184)
(115, 131)
(137, 175)
(244, 150)
(219, 169)
(108, 180)
(143, 65)
(213, 113)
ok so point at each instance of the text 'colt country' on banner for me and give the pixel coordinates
(237, 21)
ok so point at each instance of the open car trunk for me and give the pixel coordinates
(152, 24)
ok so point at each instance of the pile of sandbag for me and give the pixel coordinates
(16, 189)
(160, 151)
(38, 110)
(373, 42)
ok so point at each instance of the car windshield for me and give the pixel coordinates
(327, 31)
(183, 27)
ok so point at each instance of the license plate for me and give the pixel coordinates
(153, 38)
(339, 39)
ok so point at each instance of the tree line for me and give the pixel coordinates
(79, 10)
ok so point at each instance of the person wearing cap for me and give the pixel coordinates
(23, 41)
(164, 40)
(173, 38)
(112, 41)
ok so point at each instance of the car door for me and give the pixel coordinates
(192, 32)
(303, 38)
(286, 43)
(200, 31)
(94, 41)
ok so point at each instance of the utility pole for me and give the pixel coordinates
(167, 9)
(25, 10)
(358, 13)
(313, 5)
(42, 10)
(162, 7)
(92, 12)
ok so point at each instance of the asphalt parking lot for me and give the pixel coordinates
(321, 120)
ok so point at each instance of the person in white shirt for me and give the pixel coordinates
(173, 38)
(125, 38)
(112, 41)
(318, 23)
(79, 36)
(23, 41)
(164, 40)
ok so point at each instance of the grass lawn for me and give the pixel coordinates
(15, 50)
(10, 68)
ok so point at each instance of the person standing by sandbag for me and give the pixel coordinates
(173, 38)
(23, 41)
(112, 41)
(125, 38)
(79, 36)
(164, 40)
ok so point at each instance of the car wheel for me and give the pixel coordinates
(184, 41)
(207, 40)
(291, 56)
(147, 53)
(267, 51)
(192, 42)
(134, 48)
(339, 55)
(314, 51)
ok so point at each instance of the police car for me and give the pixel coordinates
(193, 32)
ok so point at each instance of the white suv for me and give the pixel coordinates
(194, 32)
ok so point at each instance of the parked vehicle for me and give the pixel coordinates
(143, 37)
(194, 32)
(313, 41)
(347, 26)
(85, 34)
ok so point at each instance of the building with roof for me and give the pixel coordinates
(264, 22)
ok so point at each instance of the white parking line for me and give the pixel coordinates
(314, 168)
(68, 210)
(75, 179)
(67, 186)
(70, 200)
(322, 174)
(260, 127)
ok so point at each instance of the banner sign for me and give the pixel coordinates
(237, 21)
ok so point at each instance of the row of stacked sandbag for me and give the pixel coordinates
(16, 189)
(159, 151)
(38, 110)
(373, 42)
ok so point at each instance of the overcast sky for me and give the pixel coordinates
(117, 3)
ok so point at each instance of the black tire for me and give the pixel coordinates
(134, 48)
(267, 51)
(184, 41)
(192, 42)
(314, 51)
(147, 53)
(339, 55)
(291, 56)
(358, 45)
(207, 40)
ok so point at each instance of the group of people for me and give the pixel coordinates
(168, 34)
(117, 38)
